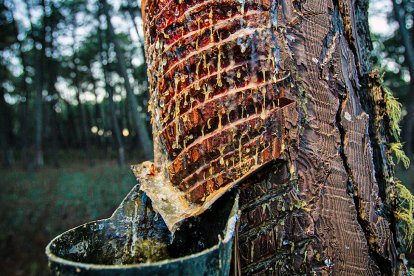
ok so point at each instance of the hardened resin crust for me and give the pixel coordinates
(218, 98)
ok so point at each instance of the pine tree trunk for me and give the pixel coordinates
(77, 83)
(24, 114)
(277, 98)
(140, 123)
(110, 91)
(407, 41)
(6, 115)
(38, 106)
(115, 129)
(131, 14)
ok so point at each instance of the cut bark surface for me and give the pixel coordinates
(218, 111)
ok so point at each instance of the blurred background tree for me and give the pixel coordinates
(73, 103)
(394, 54)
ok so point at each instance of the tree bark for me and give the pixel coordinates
(140, 124)
(277, 98)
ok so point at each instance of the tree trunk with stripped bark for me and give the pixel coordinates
(278, 99)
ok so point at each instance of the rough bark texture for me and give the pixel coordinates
(278, 92)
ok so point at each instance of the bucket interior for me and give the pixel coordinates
(122, 240)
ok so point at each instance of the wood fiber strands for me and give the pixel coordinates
(218, 100)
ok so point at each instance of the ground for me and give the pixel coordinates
(35, 207)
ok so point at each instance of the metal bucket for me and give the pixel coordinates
(136, 241)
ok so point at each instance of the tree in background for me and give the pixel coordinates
(396, 56)
(6, 111)
(141, 129)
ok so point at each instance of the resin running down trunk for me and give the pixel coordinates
(276, 98)
(218, 97)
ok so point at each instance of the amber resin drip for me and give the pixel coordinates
(217, 100)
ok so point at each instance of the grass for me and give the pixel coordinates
(38, 206)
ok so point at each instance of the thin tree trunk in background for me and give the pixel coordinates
(140, 123)
(6, 116)
(24, 128)
(74, 130)
(84, 122)
(115, 125)
(140, 38)
(51, 122)
(31, 142)
(127, 116)
(81, 108)
(63, 137)
(287, 88)
(99, 108)
(97, 112)
(71, 133)
(38, 106)
(24, 114)
(143, 96)
(54, 134)
(110, 92)
(408, 127)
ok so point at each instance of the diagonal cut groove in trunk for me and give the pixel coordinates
(218, 98)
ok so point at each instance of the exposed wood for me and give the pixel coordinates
(218, 112)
